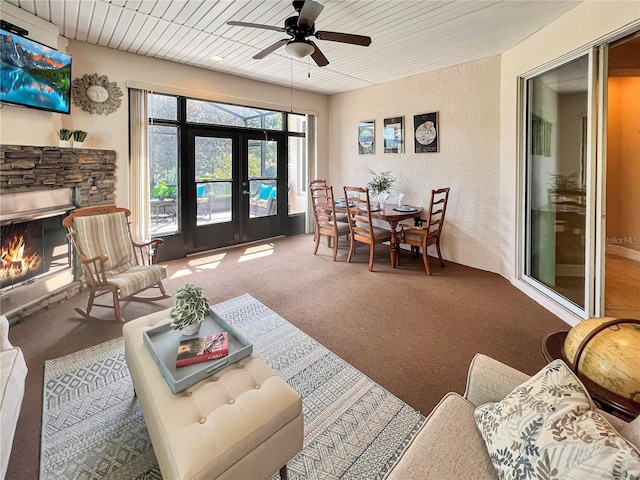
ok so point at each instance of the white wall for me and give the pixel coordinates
(585, 24)
(466, 98)
(21, 125)
(31, 127)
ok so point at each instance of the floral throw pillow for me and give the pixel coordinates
(548, 429)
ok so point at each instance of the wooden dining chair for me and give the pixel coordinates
(324, 211)
(359, 222)
(427, 231)
(112, 262)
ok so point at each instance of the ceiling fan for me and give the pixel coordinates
(299, 28)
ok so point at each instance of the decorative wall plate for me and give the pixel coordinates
(95, 94)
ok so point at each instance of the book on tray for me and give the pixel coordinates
(202, 349)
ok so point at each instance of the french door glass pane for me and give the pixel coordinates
(214, 170)
(263, 170)
(163, 169)
(555, 178)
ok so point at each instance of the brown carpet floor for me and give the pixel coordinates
(413, 334)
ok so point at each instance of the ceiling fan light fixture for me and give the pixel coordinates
(299, 49)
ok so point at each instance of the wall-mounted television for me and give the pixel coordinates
(34, 75)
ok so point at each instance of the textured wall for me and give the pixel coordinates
(466, 98)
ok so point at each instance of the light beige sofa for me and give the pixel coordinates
(13, 371)
(450, 447)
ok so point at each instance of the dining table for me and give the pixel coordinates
(392, 215)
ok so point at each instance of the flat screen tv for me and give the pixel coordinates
(34, 75)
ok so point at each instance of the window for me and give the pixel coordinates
(212, 113)
(164, 184)
(173, 117)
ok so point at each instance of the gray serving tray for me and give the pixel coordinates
(163, 344)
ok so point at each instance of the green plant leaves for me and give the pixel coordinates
(190, 306)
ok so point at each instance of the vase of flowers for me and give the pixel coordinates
(380, 186)
(189, 310)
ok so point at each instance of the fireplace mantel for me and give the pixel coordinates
(89, 173)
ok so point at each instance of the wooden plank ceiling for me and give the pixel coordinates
(409, 36)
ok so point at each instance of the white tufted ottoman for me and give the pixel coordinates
(244, 422)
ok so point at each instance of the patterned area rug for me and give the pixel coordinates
(93, 427)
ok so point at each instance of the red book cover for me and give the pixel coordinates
(202, 349)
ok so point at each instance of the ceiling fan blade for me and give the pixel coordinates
(344, 38)
(318, 56)
(255, 25)
(309, 13)
(270, 49)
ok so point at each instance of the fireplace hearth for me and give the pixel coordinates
(38, 187)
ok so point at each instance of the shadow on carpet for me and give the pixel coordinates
(92, 426)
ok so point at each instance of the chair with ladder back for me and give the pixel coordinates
(427, 231)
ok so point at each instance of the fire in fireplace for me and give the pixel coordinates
(14, 263)
(35, 255)
(32, 248)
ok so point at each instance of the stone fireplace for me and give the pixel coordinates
(38, 187)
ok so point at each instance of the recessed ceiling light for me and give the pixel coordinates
(216, 58)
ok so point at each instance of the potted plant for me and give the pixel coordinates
(190, 307)
(380, 186)
(161, 190)
(64, 134)
(78, 138)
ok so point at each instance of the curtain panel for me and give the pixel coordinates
(139, 163)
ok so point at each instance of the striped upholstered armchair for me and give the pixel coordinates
(112, 262)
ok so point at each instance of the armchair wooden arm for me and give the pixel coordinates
(419, 228)
(146, 253)
(93, 269)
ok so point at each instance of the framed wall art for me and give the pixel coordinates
(425, 127)
(541, 136)
(394, 135)
(366, 138)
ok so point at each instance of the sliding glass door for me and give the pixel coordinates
(559, 169)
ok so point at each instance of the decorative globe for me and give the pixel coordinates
(611, 358)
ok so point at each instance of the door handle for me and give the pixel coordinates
(246, 192)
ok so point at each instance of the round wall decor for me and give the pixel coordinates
(95, 94)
